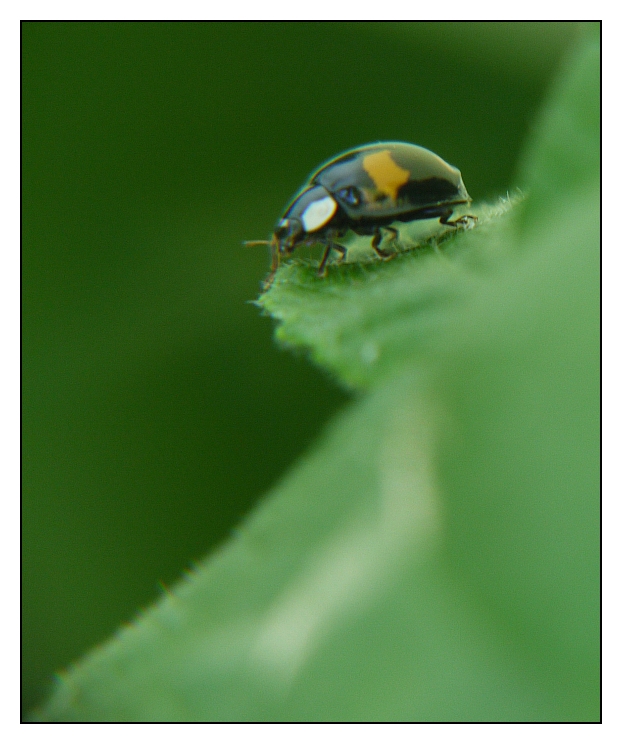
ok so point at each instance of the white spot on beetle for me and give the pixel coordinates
(317, 214)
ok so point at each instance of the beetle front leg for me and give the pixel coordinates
(274, 264)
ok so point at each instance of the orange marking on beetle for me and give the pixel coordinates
(385, 172)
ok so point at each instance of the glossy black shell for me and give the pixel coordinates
(381, 183)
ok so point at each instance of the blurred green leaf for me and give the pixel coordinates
(435, 557)
(563, 152)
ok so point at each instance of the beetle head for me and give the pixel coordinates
(286, 235)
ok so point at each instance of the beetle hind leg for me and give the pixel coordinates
(467, 220)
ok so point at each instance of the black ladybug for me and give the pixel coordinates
(365, 190)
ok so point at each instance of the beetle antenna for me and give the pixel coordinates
(255, 242)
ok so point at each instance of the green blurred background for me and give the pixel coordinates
(156, 408)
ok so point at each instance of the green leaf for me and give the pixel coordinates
(365, 320)
(563, 153)
(435, 556)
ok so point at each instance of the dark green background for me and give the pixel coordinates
(156, 408)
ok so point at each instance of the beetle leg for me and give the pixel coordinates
(464, 221)
(377, 237)
(329, 246)
(341, 250)
(267, 282)
(274, 265)
(444, 217)
(322, 268)
(275, 253)
(393, 237)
